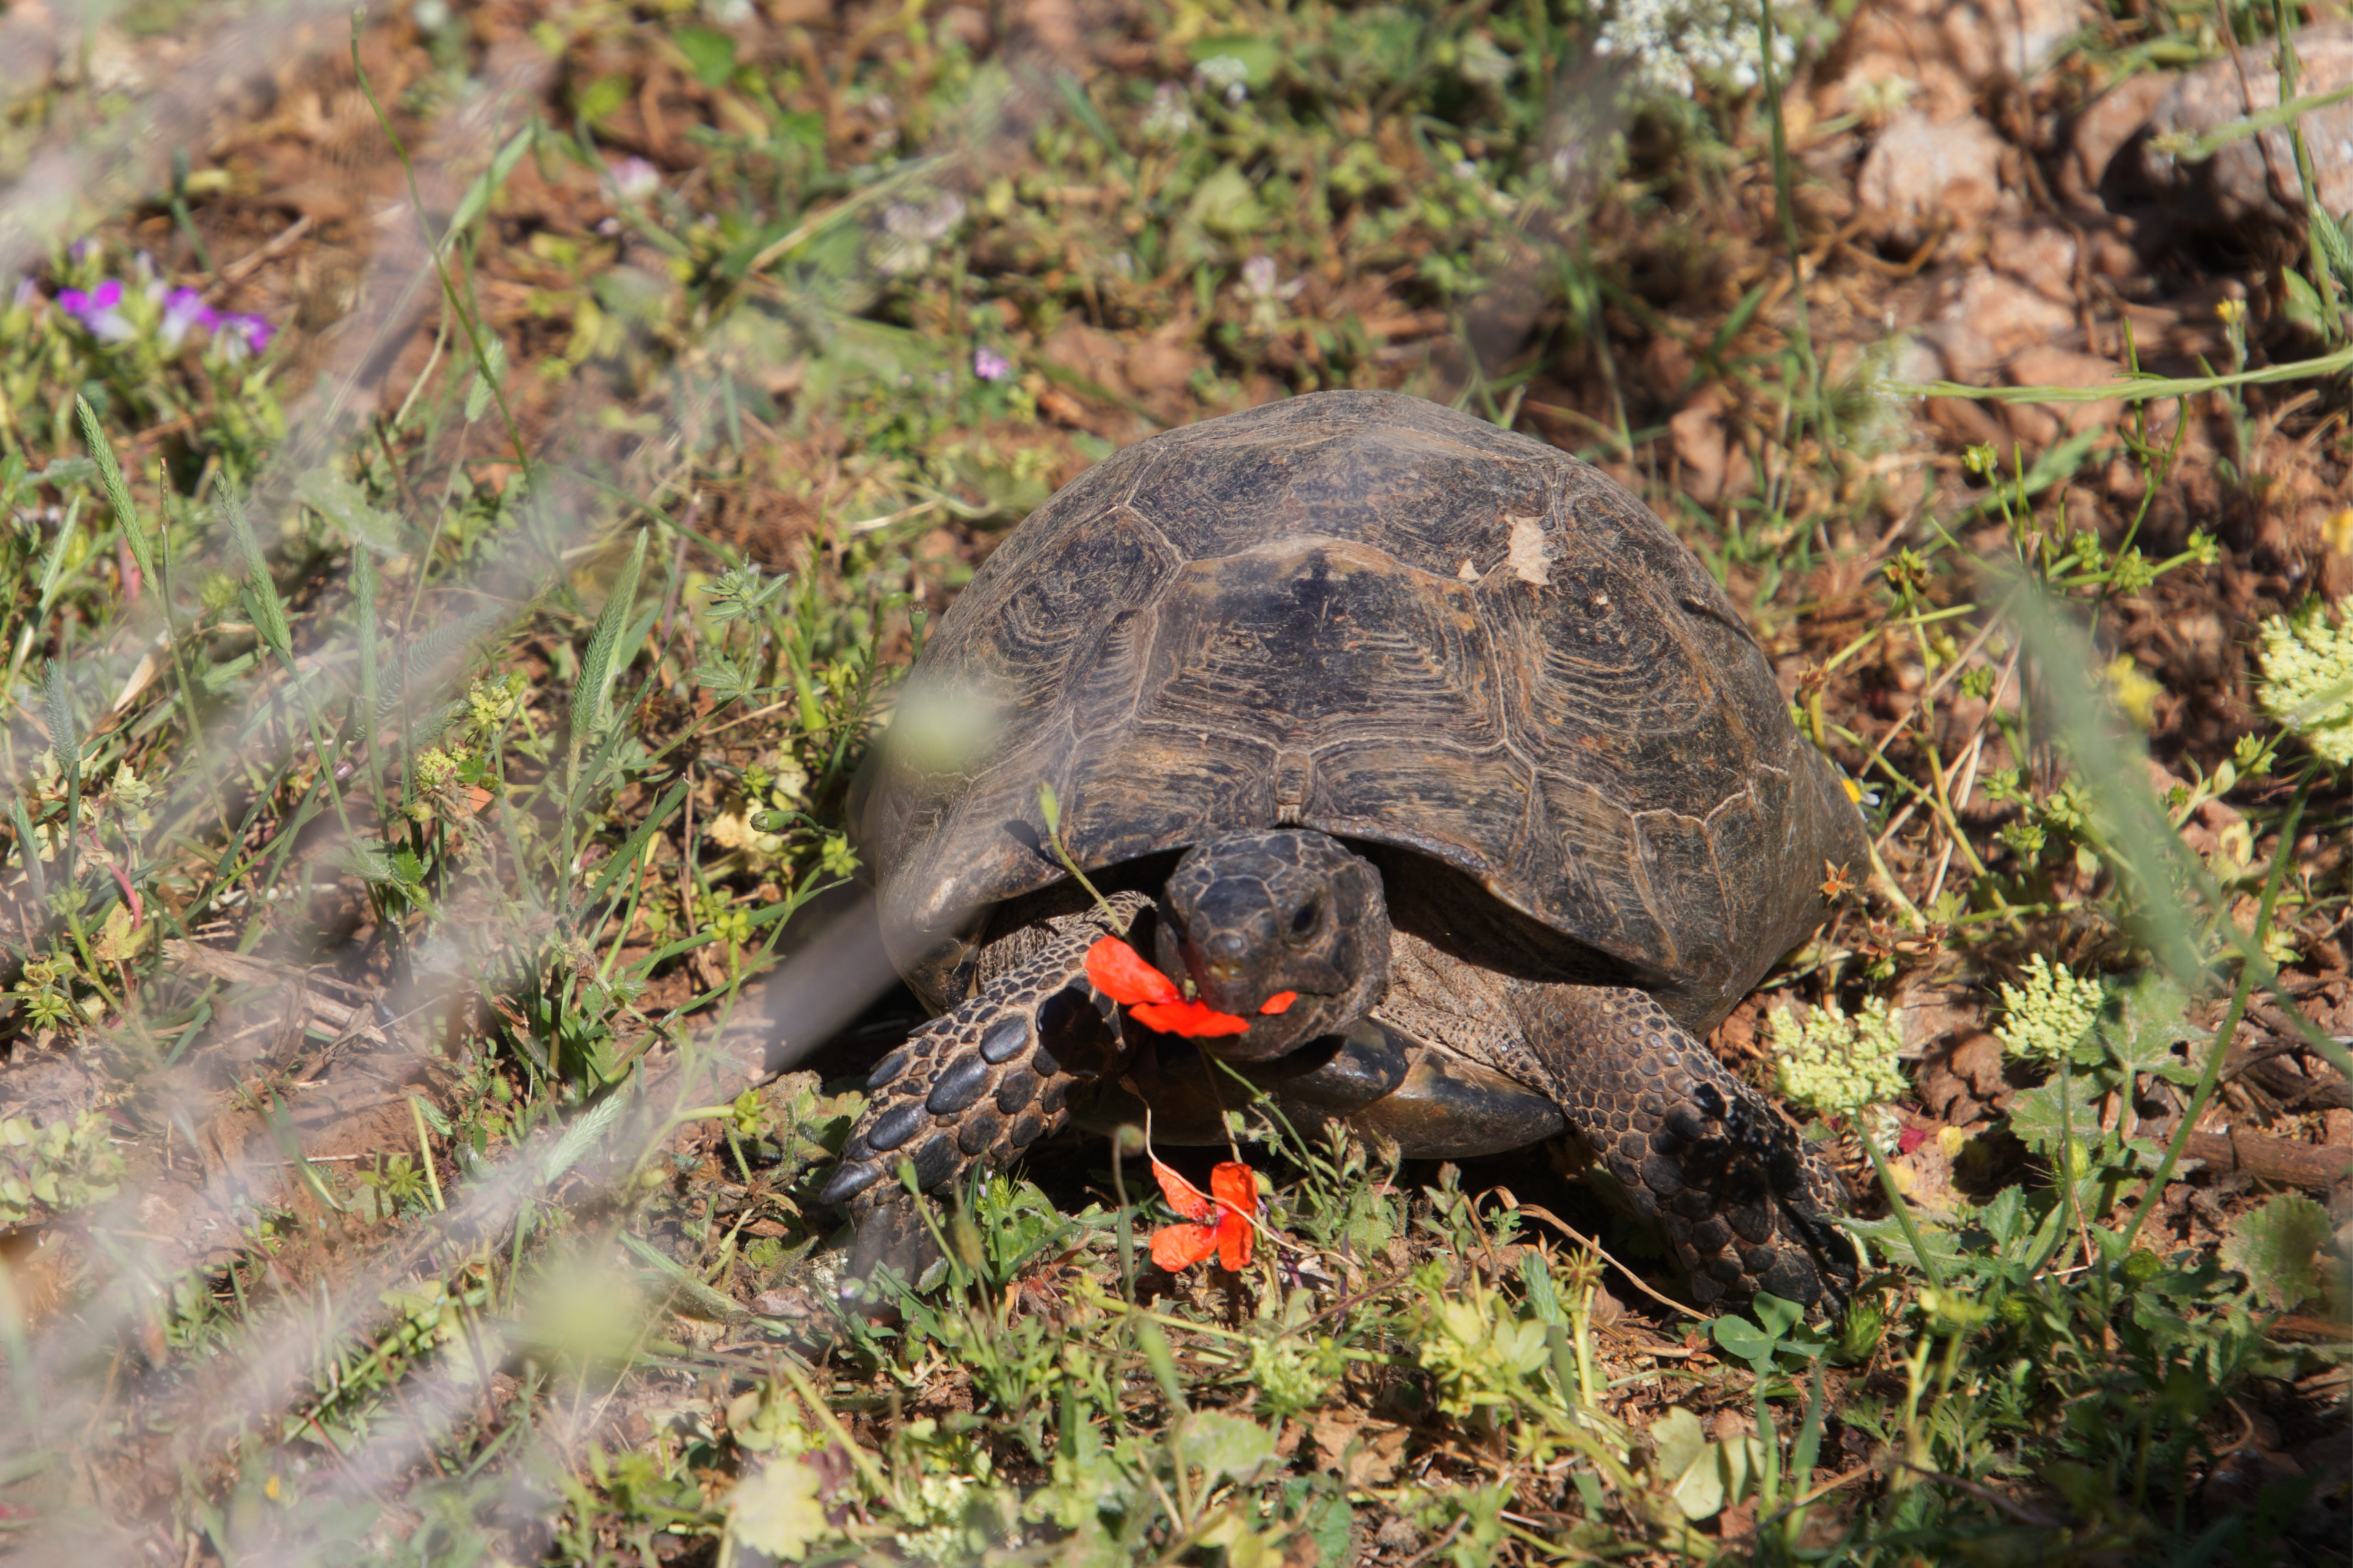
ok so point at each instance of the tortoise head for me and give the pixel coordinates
(1249, 916)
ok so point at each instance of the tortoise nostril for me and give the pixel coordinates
(1225, 945)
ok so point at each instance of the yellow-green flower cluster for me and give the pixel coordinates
(435, 769)
(2307, 680)
(2048, 1013)
(490, 703)
(1835, 1064)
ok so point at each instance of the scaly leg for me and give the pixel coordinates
(977, 1084)
(1698, 1154)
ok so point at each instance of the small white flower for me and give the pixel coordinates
(910, 230)
(633, 180)
(1225, 76)
(1170, 115)
(2307, 681)
(1259, 281)
(1668, 43)
(1482, 62)
(2047, 1014)
(1835, 1064)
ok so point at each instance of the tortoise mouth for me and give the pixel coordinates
(1301, 1015)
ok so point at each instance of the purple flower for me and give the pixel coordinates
(96, 311)
(183, 309)
(239, 334)
(990, 365)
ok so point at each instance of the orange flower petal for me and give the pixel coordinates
(1234, 1238)
(1236, 1190)
(1279, 1002)
(1192, 1019)
(1183, 1195)
(1235, 1187)
(1179, 1247)
(1120, 972)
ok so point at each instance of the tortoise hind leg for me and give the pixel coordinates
(1698, 1154)
(977, 1084)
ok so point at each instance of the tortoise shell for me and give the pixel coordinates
(1368, 615)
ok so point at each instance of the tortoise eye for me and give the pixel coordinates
(1309, 916)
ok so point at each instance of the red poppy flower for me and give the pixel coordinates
(1120, 972)
(1228, 1235)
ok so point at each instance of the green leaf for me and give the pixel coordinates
(1688, 1463)
(602, 97)
(1887, 1236)
(117, 494)
(486, 377)
(2005, 1220)
(1258, 55)
(1330, 1523)
(808, 130)
(726, 681)
(1228, 204)
(624, 858)
(1543, 1294)
(2333, 243)
(478, 195)
(2277, 1248)
(326, 491)
(1777, 1315)
(1744, 1338)
(592, 698)
(2035, 1114)
(778, 1512)
(1223, 1446)
(2303, 308)
(711, 54)
(2152, 1023)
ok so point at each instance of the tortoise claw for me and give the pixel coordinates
(1700, 1156)
(978, 1084)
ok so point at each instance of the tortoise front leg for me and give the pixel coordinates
(1697, 1155)
(977, 1084)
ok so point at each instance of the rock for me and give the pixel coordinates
(1943, 52)
(1164, 361)
(1958, 1081)
(2252, 180)
(2043, 366)
(2035, 425)
(1714, 469)
(1965, 424)
(2101, 127)
(1921, 171)
(2041, 256)
(1990, 317)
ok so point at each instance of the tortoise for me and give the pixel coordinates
(1429, 724)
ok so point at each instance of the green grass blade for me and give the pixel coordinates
(592, 698)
